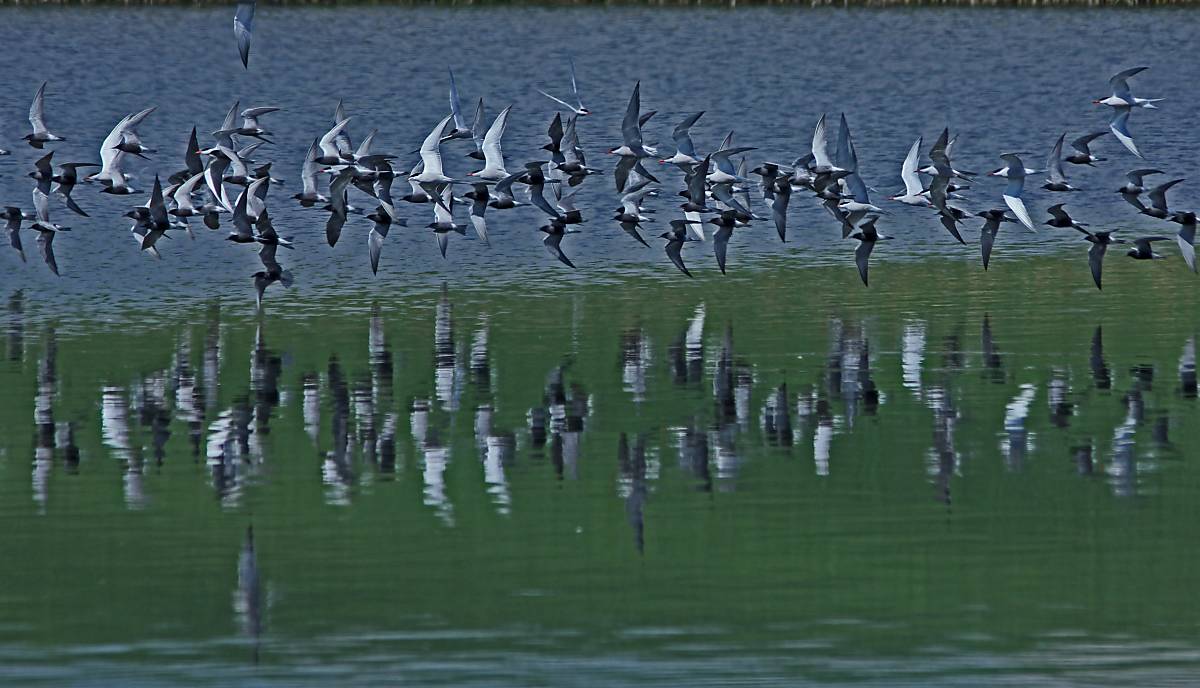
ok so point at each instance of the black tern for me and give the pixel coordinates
(12, 224)
(991, 227)
(632, 149)
(1158, 200)
(443, 219)
(1082, 146)
(555, 231)
(1100, 242)
(337, 207)
(676, 238)
(1143, 250)
(725, 223)
(867, 237)
(375, 237)
(479, 203)
(1060, 219)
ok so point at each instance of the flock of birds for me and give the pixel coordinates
(224, 180)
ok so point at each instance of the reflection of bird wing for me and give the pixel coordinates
(673, 252)
(720, 245)
(1096, 261)
(553, 244)
(46, 243)
(860, 258)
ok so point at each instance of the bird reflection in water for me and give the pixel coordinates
(335, 468)
(943, 458)
(1058, 398)
(43, 418)
(1187, 370)
(631, 486)
(15, 341)
(1017, 441)
(1101, 375)
(993, 363)
(733, 381)
(777, 418)
(687, 352)
(248, 603)
(636, 355)
(352, 414)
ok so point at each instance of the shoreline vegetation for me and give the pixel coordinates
(626, 3)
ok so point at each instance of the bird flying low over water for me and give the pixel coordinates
(676, 237)
(479, 198)
(431, 178)
(685, 149)
(867, 237)
(991, 227)
(243, 26)
(1158, 200)
(1100, 242)
(632, 149)
(555, 231)
(1122, 96)
(1135, 187)
(1015, 171)
(1083, 152)
(375, 237)
(12, 225)
(1057, 177)
(1186, 237)
(914, 190)
(1119, 125)
(37, 119)
(443, 219)
(493, 155)
(461, 129)
(720, 190)
(45, 228)
(1143, 249)
(1059, 218)
(577, 108)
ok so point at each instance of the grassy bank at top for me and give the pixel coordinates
(659, 3)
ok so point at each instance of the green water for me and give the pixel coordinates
(951, 478)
